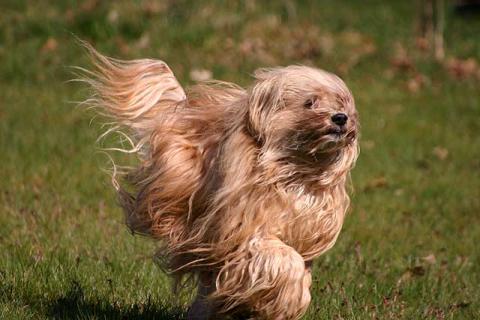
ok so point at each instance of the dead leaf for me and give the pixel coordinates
(143, 42)
(376, 183)
(359, 46)
(326, 42)
(351, 38)
(200, 75)
(69, 15)
(368, 144)
(113, 16)
(402, 63)
(422, 44)
(418, 271)
(430, 259)
(37, 254)
(398, 192)
(271, 21)
(462, 69)
(154, 7)
(461, 261)
(50, 45)
(401, 60)
(460, 305)
(122, 45)
(440, 152)
(89, 5)
(406, 276)
(358, 252)
(416, 83)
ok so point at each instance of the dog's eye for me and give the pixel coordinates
(309, 103)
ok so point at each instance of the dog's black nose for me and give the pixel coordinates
(339, 118)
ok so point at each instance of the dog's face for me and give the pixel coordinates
(307, 114)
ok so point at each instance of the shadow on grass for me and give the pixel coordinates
(73, 305)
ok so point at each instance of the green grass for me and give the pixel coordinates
(409, 248)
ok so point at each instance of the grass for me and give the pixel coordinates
(409, 248)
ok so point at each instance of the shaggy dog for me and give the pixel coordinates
(242, 188)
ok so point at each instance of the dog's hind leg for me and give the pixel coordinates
(202, 308)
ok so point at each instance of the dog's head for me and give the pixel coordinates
(303, 114)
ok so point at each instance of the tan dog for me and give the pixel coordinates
(242, 188)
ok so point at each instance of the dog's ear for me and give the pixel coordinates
(265, 97)
(136, 93)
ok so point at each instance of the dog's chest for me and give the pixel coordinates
(313, 222)
(304, 201)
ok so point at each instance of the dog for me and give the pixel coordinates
(241, 188)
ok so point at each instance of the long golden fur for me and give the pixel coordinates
(242, 188)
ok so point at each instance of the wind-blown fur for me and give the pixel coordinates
(242, 188)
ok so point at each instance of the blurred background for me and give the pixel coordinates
(409, 248)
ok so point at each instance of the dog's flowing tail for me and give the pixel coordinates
(136, 93)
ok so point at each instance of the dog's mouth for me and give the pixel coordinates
(316, 144)
(336, 131)
(332, 139)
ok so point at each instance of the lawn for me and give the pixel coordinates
(409, 248)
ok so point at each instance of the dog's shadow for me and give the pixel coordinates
(74, 305)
